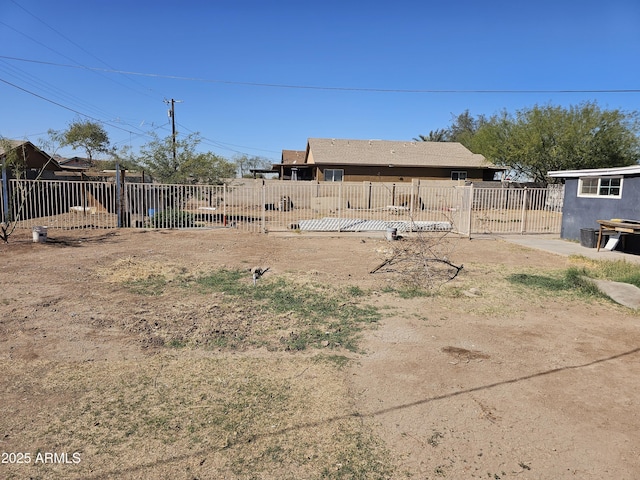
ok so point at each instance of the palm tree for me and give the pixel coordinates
(439, 135)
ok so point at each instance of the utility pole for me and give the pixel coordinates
(172, 116)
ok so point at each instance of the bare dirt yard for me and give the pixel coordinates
(151, 354)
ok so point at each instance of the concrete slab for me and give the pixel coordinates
(622, 293)
(554, 244)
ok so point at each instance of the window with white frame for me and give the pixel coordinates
(333, 174)
(607, 187)
(458, 175)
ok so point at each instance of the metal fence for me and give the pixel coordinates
(60, 204)
(278, 206)
(3, 193)
(284, 205)
(517, 210)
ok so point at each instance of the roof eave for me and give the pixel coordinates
(392, 165)
(595, 172)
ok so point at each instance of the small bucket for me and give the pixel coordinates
(39, 234)
(392, 234)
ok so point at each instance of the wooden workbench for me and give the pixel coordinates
(623, 226)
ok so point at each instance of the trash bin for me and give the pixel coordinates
(39, 234)
(588, 237)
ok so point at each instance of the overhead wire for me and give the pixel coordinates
(132, 134)
(78, 106)
(31, 81)
(64, 106)
(339, 88)
(63, 99)
(223, 145)
(228, 146)
(136, 136)
(71, 41)
(101, 74)
(91, 116)
(66, 99)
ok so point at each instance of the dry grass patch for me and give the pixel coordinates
(132, 269)
(223, 310)
(502, 291)
(177, 417)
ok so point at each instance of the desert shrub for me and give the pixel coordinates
(172, 218)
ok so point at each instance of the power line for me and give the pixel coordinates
(139, 135)
(45, 88)
(71, 42)
(64, 106)
(130, 132)
(78, 64)
(339, 89)
(224, 145)
(135, 134)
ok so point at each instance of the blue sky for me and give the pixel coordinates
(256, 77)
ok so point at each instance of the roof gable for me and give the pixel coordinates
(13, 144)
(397, 153)
(34, 157)
(293, 156)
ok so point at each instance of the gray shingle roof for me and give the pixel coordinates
(397, 153)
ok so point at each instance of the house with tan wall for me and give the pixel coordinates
(327, 159)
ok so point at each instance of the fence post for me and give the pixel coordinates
(124, 211)
(411, 202)
(470, 194)
(523, 216)
(83, 195)
(5, 193)
(224, 203)
(364, 194)
(264, 207)
(339, 205)
(118, 193)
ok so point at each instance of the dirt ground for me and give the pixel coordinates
(484, 379)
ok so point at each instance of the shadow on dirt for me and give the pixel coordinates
(62, 241)
(253, 437)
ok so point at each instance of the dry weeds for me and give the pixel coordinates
(154, 373)
(175, 416)
(132, 269)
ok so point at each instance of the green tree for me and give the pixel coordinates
(124, 157)
(242, 165)
(462, 129)
(536, 140)
(188, 166)
(83, 134)
(245, 163)
(439, 135)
